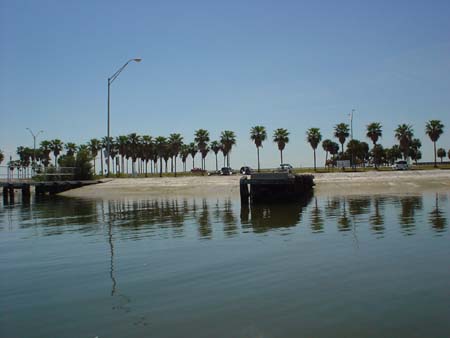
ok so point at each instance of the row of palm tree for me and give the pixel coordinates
(408, 145)
(144, 150)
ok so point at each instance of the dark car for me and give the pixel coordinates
(197, 170)
(246, 170)
(226, 171)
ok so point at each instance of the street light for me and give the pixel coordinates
(110, 81)
(351, 123)
(34, 143)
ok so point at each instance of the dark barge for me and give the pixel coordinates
(271, 187)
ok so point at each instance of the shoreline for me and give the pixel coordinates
(345, 183)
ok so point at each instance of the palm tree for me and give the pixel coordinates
(228, 140)
(354, 149)
(45, 150)
(104, 144)
(2, 157)
(258, 135)
(414, 151)
(434, 129)
(193, 149)
(161, 145)
(334, 149)
(215, 147)
(341, 132)
(202, 139)
(71, 148)
(313, 136)
(377, 154)
(392, 154)
(441, 153)
(404, 134)
(175, 141)
(326, 145)
(147, 151)
(184, 153)
(56, 146)
(94, 146)
(122, 145)
(204, 152)
(281, 138)
(134, 141)
(374, 132)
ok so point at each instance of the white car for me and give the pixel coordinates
(401, 165)
(285, 167)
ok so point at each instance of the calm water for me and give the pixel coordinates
(366, 266)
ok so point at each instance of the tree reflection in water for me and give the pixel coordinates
(437, 217)
(409, 206)
(377, 218)
(344, 222)
(229, 220)
(204, 224)
(316, 218)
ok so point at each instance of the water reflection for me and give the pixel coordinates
(437, 217)
(264, 217)
(316, 218)
(377, 217)
(131, 219)
(410, 205)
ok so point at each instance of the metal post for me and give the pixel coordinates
(351, 124)
(107, 140)
(110, 80)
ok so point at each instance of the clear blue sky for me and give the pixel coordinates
(223, 65)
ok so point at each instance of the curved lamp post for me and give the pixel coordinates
(34, 143)
(111, 80)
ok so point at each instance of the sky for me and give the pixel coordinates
(221, 65)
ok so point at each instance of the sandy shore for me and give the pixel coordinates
(333, 183)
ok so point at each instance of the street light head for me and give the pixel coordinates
(137, 59)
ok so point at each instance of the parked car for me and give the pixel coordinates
(246, 170)
(214, 172)
(285, 167)
(196, 170)
(226, 171)
(401, 165)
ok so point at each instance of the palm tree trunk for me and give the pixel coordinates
(175, 165)
(94, 166)
(435, 165)
(257, 151)
(217, 167)
(160, 167)
(281, 155)
(314, 159)
(326, 158)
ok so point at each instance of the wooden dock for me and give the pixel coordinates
(270, 187)
(40, 188)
